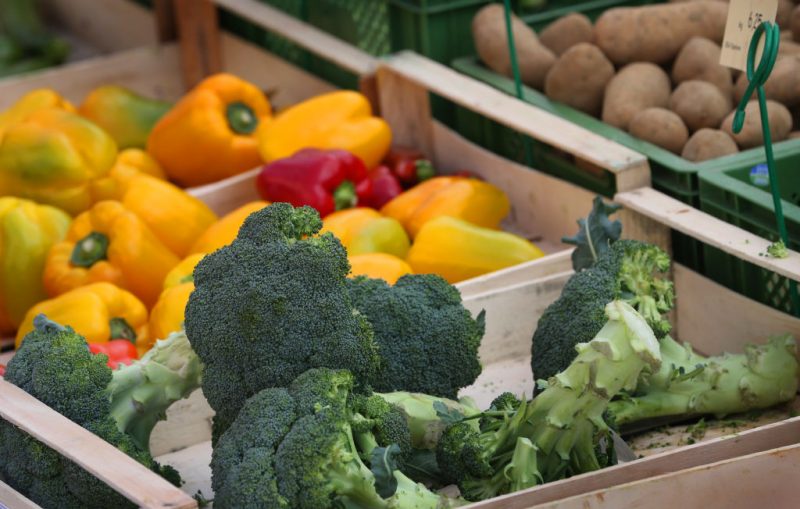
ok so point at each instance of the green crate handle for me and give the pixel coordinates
(512, 50)
(757, 76)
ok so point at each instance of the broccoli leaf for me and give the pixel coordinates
(446, 414)
(383, 463)
(597, 233)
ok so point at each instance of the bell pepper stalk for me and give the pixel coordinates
(327, 180)
(385, 186)
(409, 166)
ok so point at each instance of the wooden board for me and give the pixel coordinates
(11, 499)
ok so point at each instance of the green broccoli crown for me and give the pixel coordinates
(627, 271)
(271, 305)
(302, 447)
(54, 365)
(427, 339)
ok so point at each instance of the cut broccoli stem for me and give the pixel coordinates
(523, 471)
(688, 384)
(141, 392)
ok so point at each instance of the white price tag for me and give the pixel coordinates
(744, 16)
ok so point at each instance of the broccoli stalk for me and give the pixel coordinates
(563, 425)
(690, 385)
(141, 392)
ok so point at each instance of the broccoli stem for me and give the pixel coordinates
(690, 385)
(141, 392)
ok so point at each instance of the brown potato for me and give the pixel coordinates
(636, 87)
(699, 60)
(708, 144)
(794, 23)
(656, 33)
(566, 32)
(489, 34)
(780, 124)
(784, 16)
(700, 104)
(660, 127)
(793, 135)
(579, 78)
(783, 84)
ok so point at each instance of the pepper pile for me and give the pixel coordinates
(97, 233)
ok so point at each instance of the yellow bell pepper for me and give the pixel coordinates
(363, 230)
(182, 272)
(458, 250)
(473, 200)
(109, 243)
(52, 156)
(27, 231)
(336, 120)
(223, 232)
(125, 115)
(99, 312)
(173, 215)
(35, 100)
(209, 134)
(166, 316)
(379, 266)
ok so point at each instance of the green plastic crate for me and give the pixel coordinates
(730, 195)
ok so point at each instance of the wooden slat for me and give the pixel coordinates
(12, 499)
(324, 45)
(406, 107)
(201, 52)
(786, 433)
(125, 475)
(765, 479)
(166, 27)
(631, 168)
(708, 229)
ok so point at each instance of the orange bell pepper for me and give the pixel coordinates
(166, 316)
(223, 232)
(363, 230)
(99, 312)
(336, 120)
(379, 266)
(473, 200)
(109, 243)
(209, 134)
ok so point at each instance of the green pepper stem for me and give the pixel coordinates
(241, 118)
(90, 250)
(344, 196)
(121, 329)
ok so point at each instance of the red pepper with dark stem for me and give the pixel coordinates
(327, 180)
(409, 166)
(385, 187)
(119, 351)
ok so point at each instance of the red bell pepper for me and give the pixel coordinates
(385, 187)
(409, 166)
(2, 370)
(327, 180)
(119, 351)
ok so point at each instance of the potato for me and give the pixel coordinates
(699, 60)
(783, 84)
(784, 16)
(656, 33)
(780, 124)
(660, 127)
(489, 33)
(787, 48)
(700, 104)
(794, 135)
(794, 23)
(636, 87)
(708, 144)
(579, 78)
(566, 32)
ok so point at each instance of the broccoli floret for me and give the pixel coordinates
(628, 271)
(427, 339)
(271, 305)
(54, 365)
(691, 385)
(285, 450)
(561, 431)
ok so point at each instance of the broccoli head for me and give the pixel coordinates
(629, 271)
(285, 449)
(561, 432)
(54, 365)
(271, 305)
(427, 339)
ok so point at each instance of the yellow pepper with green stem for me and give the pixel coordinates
(99, 312)
(27, 232)
(458, 250)
(109, 243)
